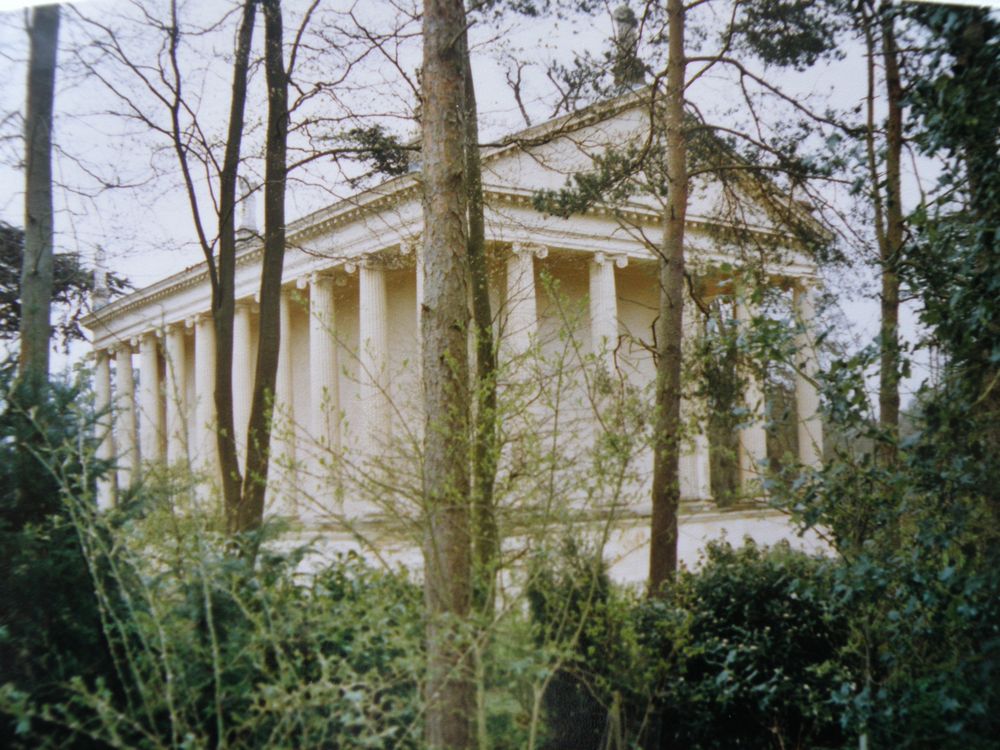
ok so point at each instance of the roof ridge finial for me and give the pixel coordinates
(248, 210)
(102, 293)
(629, 72)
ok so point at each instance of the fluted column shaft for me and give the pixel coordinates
(282, 442)
(604, 307)
(374, 354)
(810, 425)
(205, 451)
(150, 420)
(176, 394)
(695, 465)
(243, 374)
(105, 438)
(522, 303)
(324, 366)
(753, 436)
(125, 426)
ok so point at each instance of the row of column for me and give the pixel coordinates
(150, 426)
(695, 471)
(161, 423)
(158, 430)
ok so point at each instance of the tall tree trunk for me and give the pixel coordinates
(891, 247)
(36, 268)
(223, 299)
(669, 324)
(485, 535)
(450, 690)
(251, 511)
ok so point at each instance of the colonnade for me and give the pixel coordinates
(174, 421)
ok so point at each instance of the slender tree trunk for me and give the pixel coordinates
(450, 695)
(669, 324)
(223, 300)
(36, 269)
(890, 249)
(485, 541)
(251, 511)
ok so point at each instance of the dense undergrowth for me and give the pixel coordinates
(142, 628)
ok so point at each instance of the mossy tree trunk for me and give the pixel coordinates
(450, 690)
(37, 265)
(669, 324)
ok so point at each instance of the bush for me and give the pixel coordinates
(758, 662)
(209, 649)
(572, 611)
(742, 653)
(50, 628)
(221, 652)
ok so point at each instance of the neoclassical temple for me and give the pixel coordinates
(571, 296)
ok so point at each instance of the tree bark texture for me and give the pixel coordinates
(223, 302)
(450, 691)
(485, 542)
(251, 512)
(891, 247)
(669, 324)
(37, 266)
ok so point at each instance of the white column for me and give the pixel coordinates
(324, 367)
(205, 449)
(373, 357)
(105, 438)
(176, 394)
(753, 437)
(125, 428)
(695, 466)
(282, 440)
(150, 402)
(810, 425)
(604, 307)
(522, 302)
(243, 374)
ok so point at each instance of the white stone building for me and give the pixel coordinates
(572, 297)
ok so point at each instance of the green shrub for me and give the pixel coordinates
(758, 663)
(214, 650)
(570, 602)
(50, 628)
(742, 653)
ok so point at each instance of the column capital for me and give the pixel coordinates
(122, 347)
(324, 280)
(376, 261)
(529, 248)
(411, 245)
(620, 261)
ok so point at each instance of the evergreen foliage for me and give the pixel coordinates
(49, 621)
(742, 653)
(72, 285)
